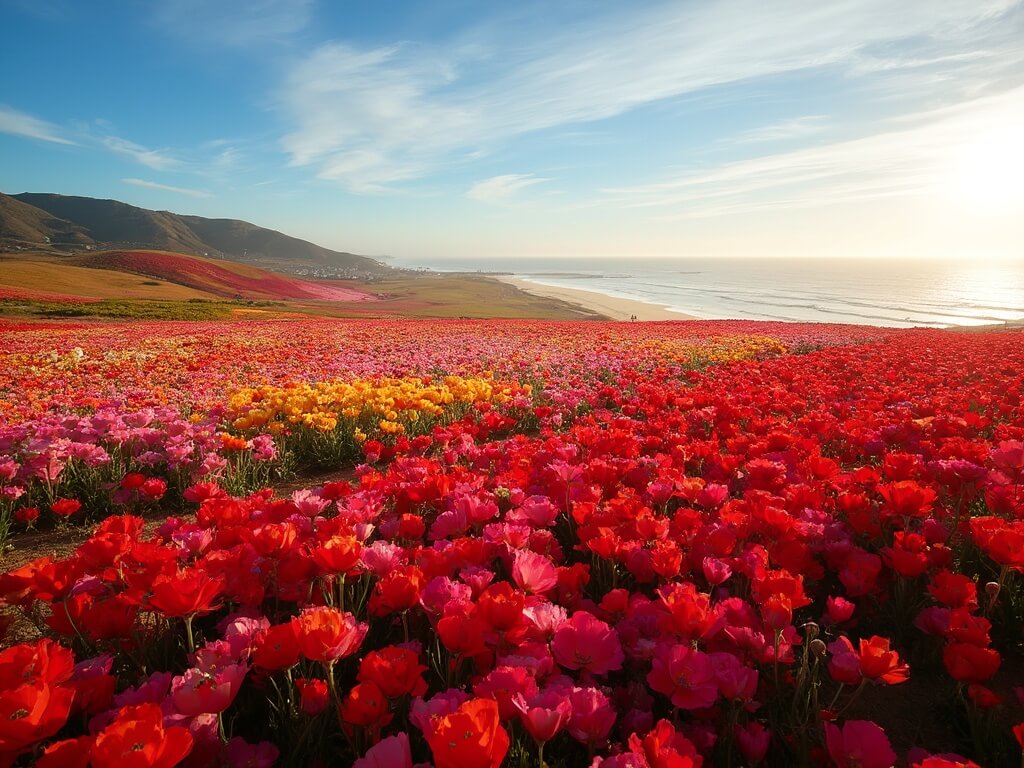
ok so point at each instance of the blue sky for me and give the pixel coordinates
(710, 128)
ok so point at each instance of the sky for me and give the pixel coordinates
(705, 128)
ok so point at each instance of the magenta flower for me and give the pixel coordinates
(586, 642)
(592, 716)
(860, 744)
(685, 675)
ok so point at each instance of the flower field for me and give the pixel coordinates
(482, 543)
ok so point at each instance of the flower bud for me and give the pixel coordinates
(811, 629)
(818, 648)
(992, 589)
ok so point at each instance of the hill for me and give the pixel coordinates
(219, 278)
(26, 223)
(39, 219)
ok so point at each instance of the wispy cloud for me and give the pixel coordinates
(236, 23)
(498, 189)
(909, 160)
(371, 117)
(784, 130)
(167, 188)
(19, 123)
(158, 160)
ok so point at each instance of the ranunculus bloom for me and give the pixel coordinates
(366, 705)
(32, 712)
(544, 714)
(313, 695)
(138, 739)
(326, 634)
(685, 675)
(970, 663)
(859, 744)
(187, 593)
(337, 555)
(277, 648)
(199, 693)
(65, 507)
(470, 737)
(392, 752)
(878, 662)
(396, 671)
(586, 642)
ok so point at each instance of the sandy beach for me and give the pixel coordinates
(609, 306)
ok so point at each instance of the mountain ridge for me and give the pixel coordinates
(47, 219)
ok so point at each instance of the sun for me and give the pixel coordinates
(987, 171)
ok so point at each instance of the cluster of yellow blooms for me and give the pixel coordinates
(716, 349)
(390, 405)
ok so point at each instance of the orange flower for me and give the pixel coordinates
(878, 662)
(326, 634)
(138, 739)
(470, 737)
(339, 554)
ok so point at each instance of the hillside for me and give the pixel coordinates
(28, 219)
(213, 277)
(23, 222)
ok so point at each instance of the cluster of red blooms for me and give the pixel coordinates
(698, 568)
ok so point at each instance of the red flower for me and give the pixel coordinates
(907, 498)
(397, 591)
(501, 605)
(326, 634)
(396, 671)
(970, 663)
(65, 507)
(313, 695)
(186, 593)
(462, 635)
(878, 662)
(470, 737)
(138, 739)
(31, 713)
(366, 706)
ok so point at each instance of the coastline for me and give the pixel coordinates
(612, 307)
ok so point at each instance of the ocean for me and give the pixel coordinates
(899, 294)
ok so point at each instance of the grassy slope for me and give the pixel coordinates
(409, 296)
(54, 277)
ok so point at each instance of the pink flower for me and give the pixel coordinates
(533, 573)
(838, 610)
(716, 571)
(592, 715)
(544, 714)
(586, 642)
(392, 752)
(199, 693)
(736, 681)
(685, 675)
(503, 685)
(860, 744)
(445, 703)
